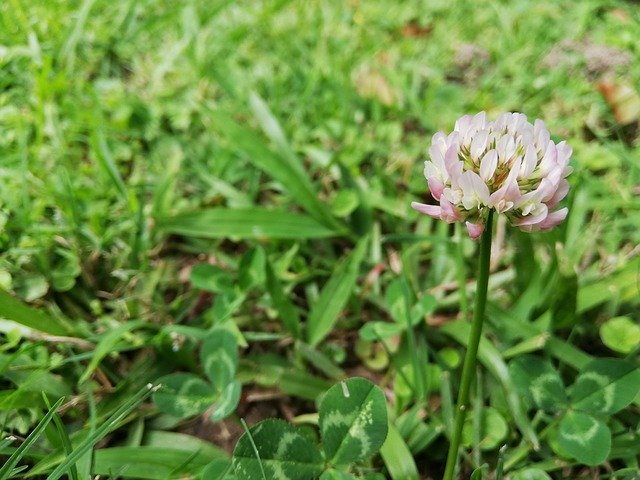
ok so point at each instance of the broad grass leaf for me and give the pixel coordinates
(13, 309)
(251, 271)
(353, 421)
(605, 386)
(494, 430)
(106, 345)
(564, 301)
(538, 382)
(531, 474)
(584, 437)
(282, 452)
(219, 357)
(282, 303)
(218, 470)
(372, 331)
(286, 168)
(183, 395)
(255, 222)
(397, 457)
(211, 278)
(150, 463)
(620, 334)
(335, 294)
(227, 401)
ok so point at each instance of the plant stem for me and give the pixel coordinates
(469, 366)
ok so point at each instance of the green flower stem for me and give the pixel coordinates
(469, 366)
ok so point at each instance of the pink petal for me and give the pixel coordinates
(431, 210)
(435, 187)
(554, 219)
(451, 162)
(532, 219)
(561, 192)
(449, 213)
(475, 229)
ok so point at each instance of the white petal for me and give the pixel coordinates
(549, 160)
(529, 162)
(463, 124)
(479, 143)
(488, 165)
(475, 191)
(479, 121)
(505, 147)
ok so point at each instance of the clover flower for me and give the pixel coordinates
(509, 165)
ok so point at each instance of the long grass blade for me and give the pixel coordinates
(7, 468)
(101, 431)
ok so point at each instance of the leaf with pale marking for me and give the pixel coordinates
(538, 382)
(183, 395)
(227, 401)
(282, 453)
(605, 386)
(353, 421)
(584, 437)
(219, 357)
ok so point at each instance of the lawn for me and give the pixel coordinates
(205, 223)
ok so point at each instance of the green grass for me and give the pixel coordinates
(282, 142)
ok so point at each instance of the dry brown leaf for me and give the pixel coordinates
(623, 100)
(370, 83)
(413, 29)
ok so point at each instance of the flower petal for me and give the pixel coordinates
(488, 165)
(479, 144)
(435, 187)
(431, 210)
(554, 219)
(529, 162)
(475, 229)
(539, 217)
(448, 213)
(561, 192)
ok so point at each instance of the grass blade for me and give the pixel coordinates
(397, 456)
(13, 309)
(13, 460)
(284, 169)
(335, 294)
(245, 223)
(101, 431)
(286, 309)
(64, 438)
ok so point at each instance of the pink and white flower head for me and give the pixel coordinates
(509, 165)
